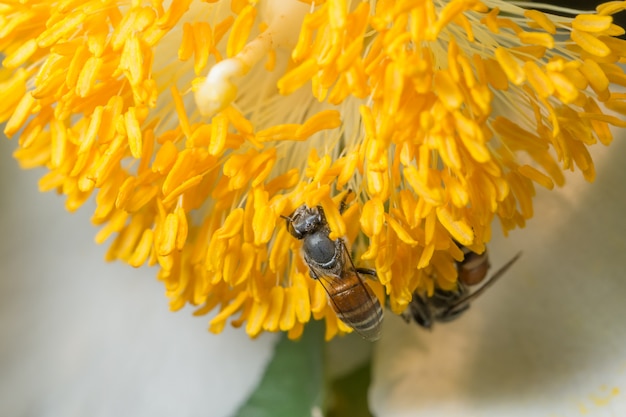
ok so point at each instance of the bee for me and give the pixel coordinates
(474, 267)
(329, 262)
(448, 305)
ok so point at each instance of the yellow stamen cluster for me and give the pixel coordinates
(196, 125)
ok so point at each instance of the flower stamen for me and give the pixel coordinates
(219, 88)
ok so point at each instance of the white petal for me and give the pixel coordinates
(84, 338)
(548, 339)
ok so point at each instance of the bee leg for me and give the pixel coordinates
(312, 274)
(366, 271)
(406, 316)
(420, 312)
(343, 205)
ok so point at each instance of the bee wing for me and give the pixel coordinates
(463, 302)
(355, 304)
(352, 299)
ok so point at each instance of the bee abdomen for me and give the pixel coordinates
(474, 267)
(356, 305)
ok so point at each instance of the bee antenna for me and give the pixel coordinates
(287, 218)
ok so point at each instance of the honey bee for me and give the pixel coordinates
(447, 305)
(329, 262)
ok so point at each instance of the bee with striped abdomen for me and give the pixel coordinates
(329, 262)
(447, 305)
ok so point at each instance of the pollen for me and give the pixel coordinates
(198, 128)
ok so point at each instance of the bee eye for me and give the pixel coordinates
(295, 232)
(291, 229)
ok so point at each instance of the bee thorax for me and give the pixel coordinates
(319, 248)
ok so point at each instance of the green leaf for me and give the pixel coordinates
(293, 384)
(348, 394)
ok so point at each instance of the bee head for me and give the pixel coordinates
(303, 221)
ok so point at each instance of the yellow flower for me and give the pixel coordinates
(196, 125)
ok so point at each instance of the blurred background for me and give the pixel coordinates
(81, 337)
(548, 339)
